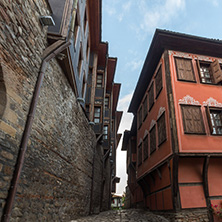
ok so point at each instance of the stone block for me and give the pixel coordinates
(7, 155)
(7, 129)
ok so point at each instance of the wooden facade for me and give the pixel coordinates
(178, 110)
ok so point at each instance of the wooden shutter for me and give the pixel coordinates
(145, 147)
(158, 81)
(153, 139)
(216, 71)
(192, 120)
(198, 68)
(151, 97)
(145, 108)
(161, 129)
(184, 69)
(209, 119)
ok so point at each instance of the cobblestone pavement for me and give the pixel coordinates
(131, 215)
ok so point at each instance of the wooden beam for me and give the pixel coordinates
(170, 99)
(205, 185)
(176, 193)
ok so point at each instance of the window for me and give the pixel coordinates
(210, 72)
(105, 132)
(192, 119)
(145, 108)
(85, 20)
(184, 69)
(80, 61)
(76, 26)
(145, 148)
(99, 80)
(161, 125)
(215, 120)
(153, 139)
(151, 97)
(158, 82)
(205, 73)
(83, 86)
(140, 117)
(107, 102)
(140, 154)
(97, 114)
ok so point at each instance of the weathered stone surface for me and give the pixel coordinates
(132, 215)
(56, 179)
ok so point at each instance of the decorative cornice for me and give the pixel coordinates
(140, 142)
(153, 122)
(161, 111)
(212, 102)
(188, 100)
(145, 134)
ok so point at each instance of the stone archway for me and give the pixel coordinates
(3, 97)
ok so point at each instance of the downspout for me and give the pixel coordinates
(52, 51)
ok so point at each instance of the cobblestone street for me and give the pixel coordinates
(131, 215)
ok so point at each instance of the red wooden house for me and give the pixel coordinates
(174, 160)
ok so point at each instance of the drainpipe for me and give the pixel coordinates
(52, 52)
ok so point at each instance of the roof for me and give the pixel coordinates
(125, 140)
(163, 40)
(111, 68)
(95, 22)
(116, 90)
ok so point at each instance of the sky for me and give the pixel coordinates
(129, 26)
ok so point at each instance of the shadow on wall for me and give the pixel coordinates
(3, 98)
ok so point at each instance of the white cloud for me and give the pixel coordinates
(134, 64)
(214, 2)
(159, 14)
(121, 155)
(112, 8)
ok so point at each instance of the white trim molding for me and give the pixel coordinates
(212, 102)
(161, 111)
(153, 122)
(145, 134)
(188, 100)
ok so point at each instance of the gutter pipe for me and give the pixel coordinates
(53, 51)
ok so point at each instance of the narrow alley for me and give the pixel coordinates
(137, 215)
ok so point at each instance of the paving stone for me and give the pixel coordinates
(129, 215)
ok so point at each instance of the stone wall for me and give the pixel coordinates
(97, 180)
(106, 185)
(200, 215)
(55, 183)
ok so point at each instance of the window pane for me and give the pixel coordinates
(205, 73)
(216, 121)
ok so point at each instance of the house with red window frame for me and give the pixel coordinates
(174, 147)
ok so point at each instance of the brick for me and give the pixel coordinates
(7, 129)
(7, 155)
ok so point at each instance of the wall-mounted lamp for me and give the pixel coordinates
(80, 100)
(47, 20)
